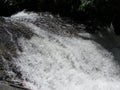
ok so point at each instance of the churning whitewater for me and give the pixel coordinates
(51, 61)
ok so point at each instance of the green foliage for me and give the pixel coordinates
(85, 3)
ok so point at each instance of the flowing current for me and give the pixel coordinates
(52, 61)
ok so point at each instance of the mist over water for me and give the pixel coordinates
(57, 62)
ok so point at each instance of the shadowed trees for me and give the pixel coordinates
(103, 12)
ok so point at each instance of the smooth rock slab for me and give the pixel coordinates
(8, 87)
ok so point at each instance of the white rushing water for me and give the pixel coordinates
(54, 62)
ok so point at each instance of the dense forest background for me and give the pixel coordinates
(102, 12)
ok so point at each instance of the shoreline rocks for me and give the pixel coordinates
(8, 86)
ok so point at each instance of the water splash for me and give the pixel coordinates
(56, 62)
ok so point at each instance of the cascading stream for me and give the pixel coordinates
(50, 61)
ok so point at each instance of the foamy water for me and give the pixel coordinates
(55, 62)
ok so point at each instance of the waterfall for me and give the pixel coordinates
(54, 59)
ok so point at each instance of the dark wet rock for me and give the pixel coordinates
(10, 32)
(8, 86)
(59, 25)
